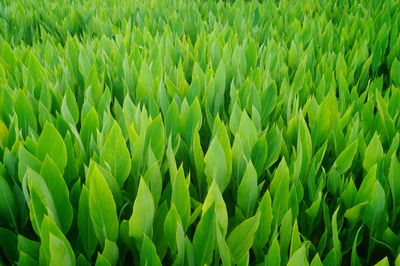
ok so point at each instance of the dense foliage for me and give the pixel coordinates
(199, 132)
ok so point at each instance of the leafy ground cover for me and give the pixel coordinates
(199, 132)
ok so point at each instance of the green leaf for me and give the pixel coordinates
(181, 197)
(215, 164)
(335, 239)
(27, 159)
(9, 244)
(85, 226)
(7, 205)
(345, 158)
(214, 199)
(155, 138)
(24, 111)
(28, 247)
(281, 196)
(264, 229)
(102, 261)
(69, 108)
(148, 253)
(191, 120)
(383, 262)
(110, 252)
(373, 153)
(393, 177)
(223, 249)
(241, 238)
(374, 213)
(316, 261)
(40, 202)
(115, 154)
(299, 258)
(102, 208)
(59, 193)
(353, 214)
(273, 256)
(248, 132)
(170, 227)
(395, 72)
(141, 221)
(51, 143)
(204, 237)
(54, 245)
(355, 261)
(59, 252)
(88, 129)
(295, 242)
(388, 124)
(247, 191)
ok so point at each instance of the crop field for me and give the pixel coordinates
(188, 132)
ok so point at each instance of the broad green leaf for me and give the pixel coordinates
(374, 212)
(299, 258)
(223, 249)
(85, 226)
(115, 154)
(247, 191)
(27, 159)
(170, 227)
(373, 153)
(241, 238)
(9, 244)
(102, 208)
(264, 229)
(215, 164)
(383, 262)
(395, 72)
(316, 261)
(295, 242)
(259, 154)
(281, 191)
(248, 132)
(28, 247)
(345, 158)
(214, 199)
(24, 111)
(393, 177)
(111, 252)
(59, 193)
(273, 256)
(7, 205)
(335, 239)
(88, 129)
(355, 261)
(54, 245)
(204, 237)
(155, 138)
(40, 202)
(51, 143)
(353, 214)
(69, 108)
(141, 221)
(181, 197)
(148, 253)
(59, 252)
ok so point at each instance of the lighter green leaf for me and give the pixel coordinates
(241, 238)
(373, 153)
(102, 208)
(51, 143)
(115, 154)
(141, 221)
(247, 191)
